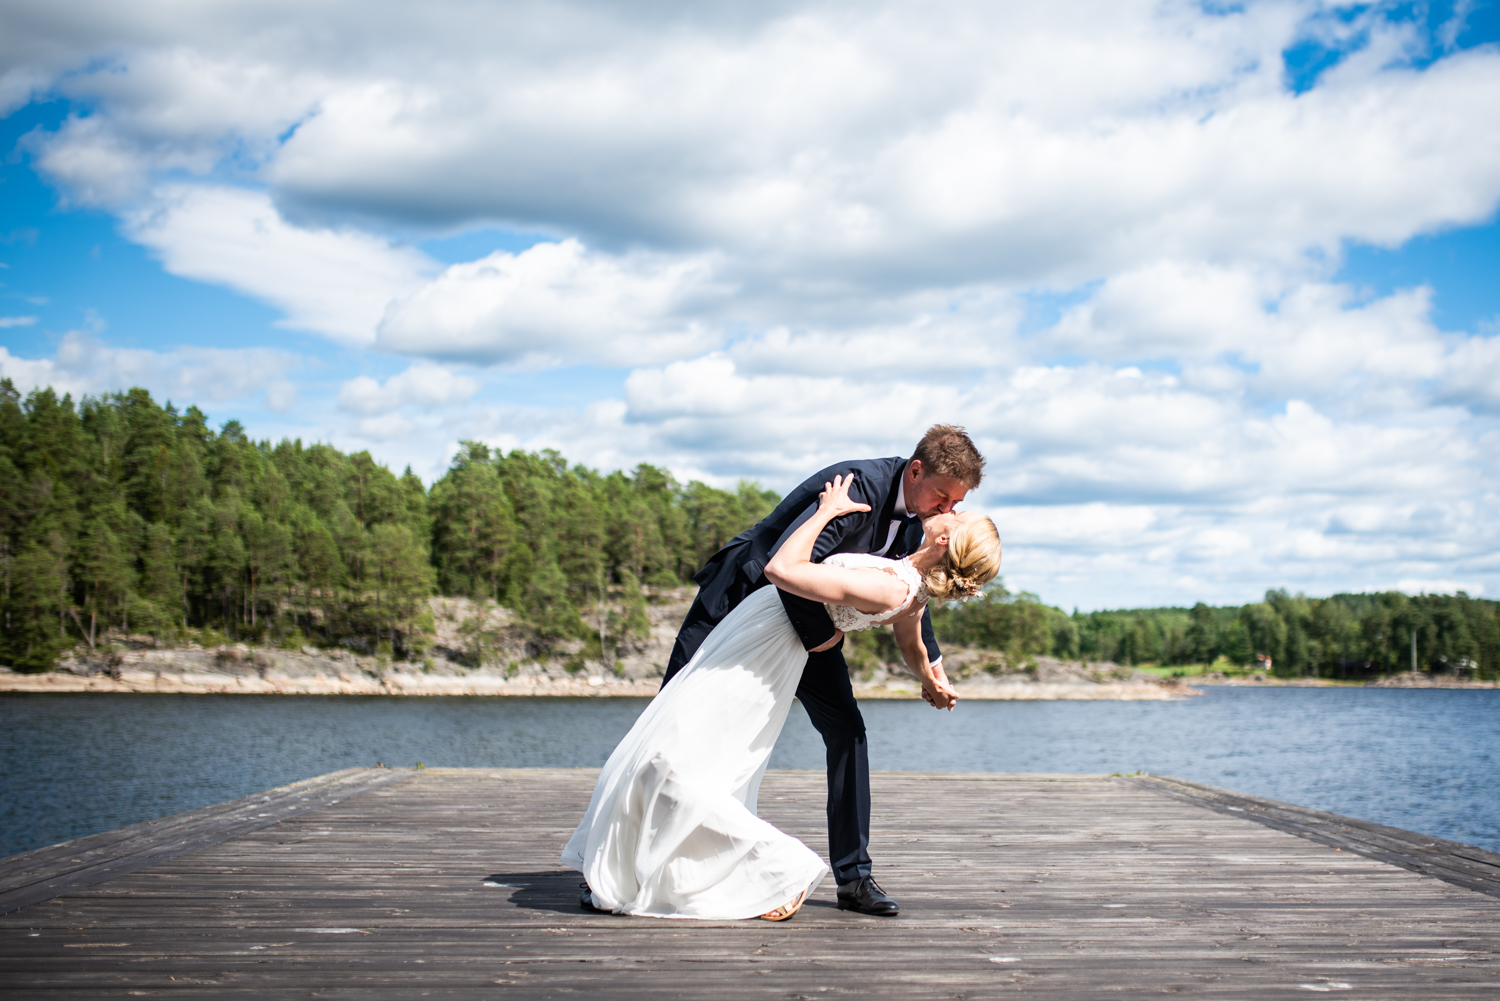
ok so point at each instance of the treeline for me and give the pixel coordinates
(118, 513)
(1342, 636)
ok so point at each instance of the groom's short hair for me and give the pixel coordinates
(946, 450)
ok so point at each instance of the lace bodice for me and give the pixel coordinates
(851, 619)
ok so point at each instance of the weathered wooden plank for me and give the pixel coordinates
(1077, 887)
(44, 873)
(1462, 865)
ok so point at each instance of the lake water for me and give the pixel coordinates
(1424, 760)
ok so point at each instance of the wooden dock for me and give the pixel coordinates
(376, 884)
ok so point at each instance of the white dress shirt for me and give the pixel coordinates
(898, 516)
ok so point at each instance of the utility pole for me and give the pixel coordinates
(1414, 651)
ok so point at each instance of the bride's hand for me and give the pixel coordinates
(834, 500)
(938, 692)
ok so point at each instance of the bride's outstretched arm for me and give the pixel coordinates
(935, 687)
(792, 569)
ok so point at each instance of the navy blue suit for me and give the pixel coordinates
(825, 692)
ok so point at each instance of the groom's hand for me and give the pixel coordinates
(835, 640)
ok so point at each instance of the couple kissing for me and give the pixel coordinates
(672, 829)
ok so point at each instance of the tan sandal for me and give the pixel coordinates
(786, 910)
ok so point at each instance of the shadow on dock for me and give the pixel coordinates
(547, 890)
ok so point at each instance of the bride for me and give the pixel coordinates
(672, 831)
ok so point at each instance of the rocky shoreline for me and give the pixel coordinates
(478, 651)
(168, 674)
(347, 681)
(241, 670)
(244, 670)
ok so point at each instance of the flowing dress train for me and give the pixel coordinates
(671, 830)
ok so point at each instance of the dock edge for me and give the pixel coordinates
(1454, 862)
(44, 873)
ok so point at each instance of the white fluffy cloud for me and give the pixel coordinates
(336, 282)
(1104, 235)
(1057, 434)
(822, 154)
(887, 144)
(905, 142)
(426, 386)
(1112, 485)
(1300, 337)
(556, 304)
(84, 364)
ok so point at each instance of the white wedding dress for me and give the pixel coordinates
(672, 830)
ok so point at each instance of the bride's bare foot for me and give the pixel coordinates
(786, 910)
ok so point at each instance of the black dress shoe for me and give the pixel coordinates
(586, 901)
(865, 896)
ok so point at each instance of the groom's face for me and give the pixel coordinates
(930, 494)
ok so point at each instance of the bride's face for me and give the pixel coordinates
(939, 528)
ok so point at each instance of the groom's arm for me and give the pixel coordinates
(929, 638)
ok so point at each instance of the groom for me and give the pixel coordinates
(900, 492)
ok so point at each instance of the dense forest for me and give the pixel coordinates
(1342, 636)
(120, 514)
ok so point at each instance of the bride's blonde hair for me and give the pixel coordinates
(972, 561)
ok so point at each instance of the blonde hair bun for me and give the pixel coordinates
(971, 562)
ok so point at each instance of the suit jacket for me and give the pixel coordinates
(739, 568)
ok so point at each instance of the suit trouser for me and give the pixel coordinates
(828, 698)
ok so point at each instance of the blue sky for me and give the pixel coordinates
(70, 267)
(1213, 285)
